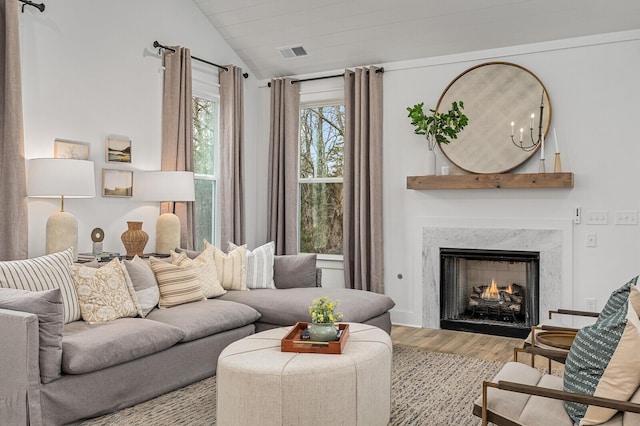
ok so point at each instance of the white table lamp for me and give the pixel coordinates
(168, 186)
(60, 178)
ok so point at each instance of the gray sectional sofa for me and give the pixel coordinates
(108, 366)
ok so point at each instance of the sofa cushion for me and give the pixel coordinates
(47, 305)
(286, 307)
(232, 267)
(44, 273)
(91, 347)
(103, 293)
(602, 362)
(205, 266)
(205, 318)
(177, 284)
(294, 271)
(144, 283)
(259, 265)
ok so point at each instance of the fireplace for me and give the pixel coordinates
(489, 291)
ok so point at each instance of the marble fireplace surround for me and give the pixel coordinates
(552, 238)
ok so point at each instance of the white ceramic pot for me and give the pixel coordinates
(430, 166)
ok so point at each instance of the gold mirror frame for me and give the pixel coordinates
(494, 95)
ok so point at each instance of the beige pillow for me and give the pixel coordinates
(231, 267)
(103, 293)
(177, 284)
(205, 267)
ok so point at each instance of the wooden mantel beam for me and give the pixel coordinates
(492, 181)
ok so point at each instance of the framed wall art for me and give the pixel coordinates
(117, 183)
(70, 149)
(118, 149)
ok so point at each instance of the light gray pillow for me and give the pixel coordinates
(293, 271)
(47, 305)
(144, 283)
(191, 254)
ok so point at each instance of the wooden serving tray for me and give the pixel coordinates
(557, 339)
(293, 343)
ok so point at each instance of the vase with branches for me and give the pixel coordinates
(437, 127)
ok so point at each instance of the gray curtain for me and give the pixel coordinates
(13, 181)
(362, 220)
(177, 132)
(232, 156)
(283, 166)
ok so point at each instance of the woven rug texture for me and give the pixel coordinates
(428, 388)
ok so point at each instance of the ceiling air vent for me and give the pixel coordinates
(289, 52)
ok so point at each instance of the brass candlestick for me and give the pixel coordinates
(557, 167)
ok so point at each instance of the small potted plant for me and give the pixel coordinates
(437, 127)
(323, 318)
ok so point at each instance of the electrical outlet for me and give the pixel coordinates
(591, 304)
(626, 217)
(596, 217)
(591, 239)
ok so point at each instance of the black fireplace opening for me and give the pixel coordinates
(489, 291)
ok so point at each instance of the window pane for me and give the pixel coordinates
(321, 218)
(205, 200)
(321, 141)
(204, 118)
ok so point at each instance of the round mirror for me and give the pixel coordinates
(496, 94)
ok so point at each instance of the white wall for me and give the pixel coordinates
(89, 70)
(594, 91)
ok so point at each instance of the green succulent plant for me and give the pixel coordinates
(437, 126)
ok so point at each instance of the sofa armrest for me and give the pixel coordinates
(19, 369)
(318, 277)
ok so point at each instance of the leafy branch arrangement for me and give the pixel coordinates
(438, 127)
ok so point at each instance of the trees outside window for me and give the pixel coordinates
(205, 142)
(321, 170)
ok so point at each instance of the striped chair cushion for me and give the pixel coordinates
(177, 284)
(259, 265)
(44, 273)
(603, 361)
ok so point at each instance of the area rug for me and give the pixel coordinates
(428, 388)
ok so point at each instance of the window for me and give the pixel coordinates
(205, 143)
(320, 181)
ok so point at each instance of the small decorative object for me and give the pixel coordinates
(444, 170)
(134, 239)
(118, 149)
(117, 183)
(70, 149)
(437, 127)
(323, 318)
(97, 235)
(557, 166)
(533, 144)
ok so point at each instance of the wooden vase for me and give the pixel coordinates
(134, 239)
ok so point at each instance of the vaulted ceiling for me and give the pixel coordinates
(346, 33)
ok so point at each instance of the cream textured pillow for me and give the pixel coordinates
(205, 267)
(44, 273)
(103, 292)
(259, 265)
(232, 269)
(177, 284)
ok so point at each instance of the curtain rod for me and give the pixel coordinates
(158, 45)
(39, 6)
(324, 77)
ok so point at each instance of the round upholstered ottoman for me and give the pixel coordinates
(259, 384)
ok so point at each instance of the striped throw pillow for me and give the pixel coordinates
(205, 267)
(231, 267)
(178, 285)
(603, 361)
(44, 273)
(259, 265)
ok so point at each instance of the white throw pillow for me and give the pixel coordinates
(259, 265)
(231, 267)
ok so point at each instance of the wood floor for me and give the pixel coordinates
(474, 345)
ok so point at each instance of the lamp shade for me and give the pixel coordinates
(56, 177)
(168, 186)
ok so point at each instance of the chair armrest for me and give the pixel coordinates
(20, 368)
(572, 312)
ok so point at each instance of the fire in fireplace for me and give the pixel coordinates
(489, 291)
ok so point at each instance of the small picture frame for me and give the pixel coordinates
(118, 149)
(117, 183)
(70, 149)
